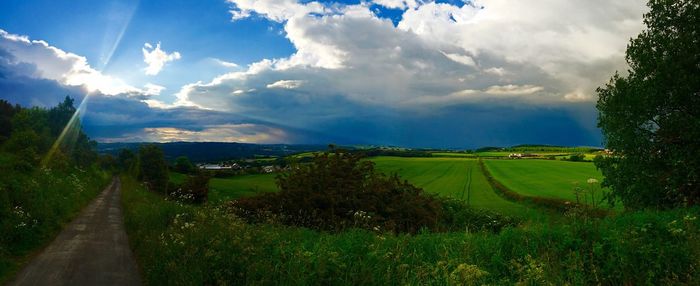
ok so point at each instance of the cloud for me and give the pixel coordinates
(225, 63)
(153, 89)
(444, 75)
(440, 56)
(275, 10)
(286, 84)
(156, 58)
(51, 63)
(397, 4)
(242, 133)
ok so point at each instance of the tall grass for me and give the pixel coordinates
(35, 205)
(178, 244)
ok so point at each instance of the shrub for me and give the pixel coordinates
(577, 157)
(195, 189)
(339, 190)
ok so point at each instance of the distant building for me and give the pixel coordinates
(214, 167)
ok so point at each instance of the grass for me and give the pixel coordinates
(543, 178)
(451, 177)
(224, 189)
(178, 244)
(35, 205)
(452, 154)
(177, 178)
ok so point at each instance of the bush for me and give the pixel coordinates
(195, 189)
(577, 157)
(338, 191)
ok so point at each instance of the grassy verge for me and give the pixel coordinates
(35, 206)
(179, 244)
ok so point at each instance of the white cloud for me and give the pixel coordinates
(153, 89)
(397, 4)
(225, 63)
(540, 52)
(156, 58)
(286, 84)
(63, 67)
(513, 89)
(462, 59)
(276, 10)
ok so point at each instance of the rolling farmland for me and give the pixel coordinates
(458, 178)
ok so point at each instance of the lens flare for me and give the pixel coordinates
(70, 133)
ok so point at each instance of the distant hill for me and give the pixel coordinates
(201, 152)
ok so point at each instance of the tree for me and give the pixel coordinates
(6, 113)
(153, 169)
(126, 160)
(650, 118)
(183, 165)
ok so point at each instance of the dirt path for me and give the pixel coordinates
(92, 250)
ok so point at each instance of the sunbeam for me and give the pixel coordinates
(127, 13)
(70, 132)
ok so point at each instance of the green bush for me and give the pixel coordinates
(195, 189)
(339, 190)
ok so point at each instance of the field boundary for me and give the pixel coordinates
(558, 205)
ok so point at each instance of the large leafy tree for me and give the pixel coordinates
(650, 118)
(153, 169)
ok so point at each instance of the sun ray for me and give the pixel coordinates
(69, 133)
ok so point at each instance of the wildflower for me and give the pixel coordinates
(592, 181)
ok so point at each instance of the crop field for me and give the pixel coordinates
(544, 178)
(458, 178)
(452, 177)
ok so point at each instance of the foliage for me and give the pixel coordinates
(339, 190)
(195, 189)
(126, 160)
(650, 118)
(179, 244)
(183, 165)
(153, 169)
(41, 191)
(7, 111)
(579, 157)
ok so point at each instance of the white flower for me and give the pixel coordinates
(592, 181)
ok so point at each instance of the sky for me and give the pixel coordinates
(413, 73)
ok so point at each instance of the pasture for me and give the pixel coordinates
(543, 178)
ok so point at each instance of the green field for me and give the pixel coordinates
(543, 178)
(223, 189)
(458, 178)
(452, 154)
(452, 177)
